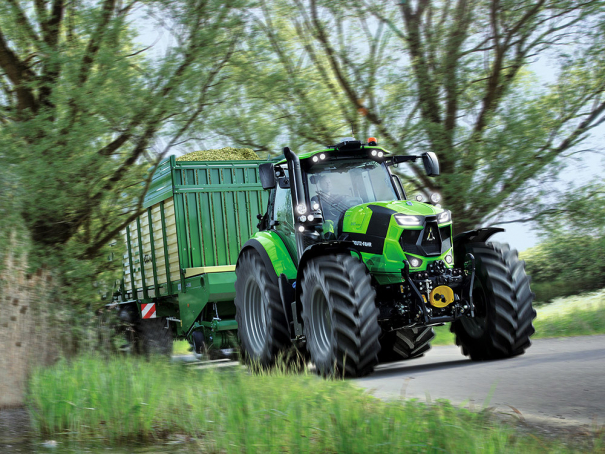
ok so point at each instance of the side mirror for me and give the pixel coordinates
(431, 163)
(267, 175)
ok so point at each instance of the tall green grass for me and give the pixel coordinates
(122, 400)
(579, 315)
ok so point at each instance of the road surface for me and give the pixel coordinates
(556, 381)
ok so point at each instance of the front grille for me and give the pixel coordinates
(429, 241)
(446, 238)
(409, 240)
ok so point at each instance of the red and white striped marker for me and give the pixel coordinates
(148, 310)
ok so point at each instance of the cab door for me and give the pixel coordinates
(282, 213)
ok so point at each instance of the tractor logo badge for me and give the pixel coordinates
(430, 236)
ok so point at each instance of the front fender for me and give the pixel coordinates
(471, 236)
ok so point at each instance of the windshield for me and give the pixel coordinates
(340, 184)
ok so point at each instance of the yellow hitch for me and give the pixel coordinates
(441, 296)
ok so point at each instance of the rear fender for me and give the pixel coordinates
(274, 254)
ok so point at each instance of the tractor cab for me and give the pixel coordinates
(326, 195)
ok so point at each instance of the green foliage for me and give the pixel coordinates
(426, 76)
(83, 108)
(121, 400)
(13, 237)
(566, 264)
(580, 315)
(570, 258)
(443, 336)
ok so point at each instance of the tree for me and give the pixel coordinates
(451, 77)
(569, 259)
(81, 105)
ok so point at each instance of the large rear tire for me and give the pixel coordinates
(405, 344)
(502, 325)
(262, 325)
(340, 316)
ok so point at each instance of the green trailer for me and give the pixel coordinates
(179, 265)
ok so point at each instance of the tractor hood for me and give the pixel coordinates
(410, 207)
(392, 228)
(376, 216)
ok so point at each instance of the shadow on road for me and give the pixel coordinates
(406, 367)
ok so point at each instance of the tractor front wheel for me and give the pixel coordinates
(261, 322)
(502, 324)
(340, 316)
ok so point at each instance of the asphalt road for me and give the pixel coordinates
(557, 381)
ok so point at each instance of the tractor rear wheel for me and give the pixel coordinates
(262, 325)
(502, 324)
(340, 316)
(405, 344)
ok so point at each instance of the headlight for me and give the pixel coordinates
(405, 219)
(414, 262)
(444, 217)
(435, 197)
(302, 208)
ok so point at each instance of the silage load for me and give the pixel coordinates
(220, 154)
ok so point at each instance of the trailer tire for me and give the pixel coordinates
(340, 317)
(407, 343)
(152, 337)
(262, 325)
(502, 325)
(198, 342)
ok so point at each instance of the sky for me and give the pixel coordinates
(521, 236)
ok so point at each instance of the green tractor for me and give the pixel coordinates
(348, 269)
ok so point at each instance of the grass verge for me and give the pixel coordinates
(121, 400)
(181, 347)
(578, 315)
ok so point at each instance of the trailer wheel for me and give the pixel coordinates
(503, 300)
(405, 344)
(340, 316)
(152, 337)
(198, 342)
(262, 326)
